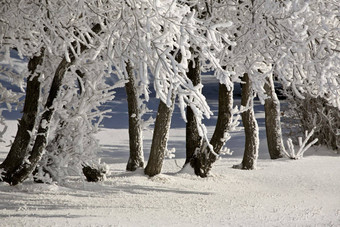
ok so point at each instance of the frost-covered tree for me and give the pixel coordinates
(200, 152)
(8, 25)
(65, 32)
(201, 157)
(46, 117)
(241, 58)
(193, 138)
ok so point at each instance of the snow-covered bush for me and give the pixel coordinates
(316, 113)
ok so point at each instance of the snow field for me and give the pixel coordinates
(278, 193)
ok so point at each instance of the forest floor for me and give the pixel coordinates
(280, 192)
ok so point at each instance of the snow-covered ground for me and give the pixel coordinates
(279, 193)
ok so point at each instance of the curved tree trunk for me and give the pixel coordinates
(250, 126)
(22, 139)
(41, 139)
(203, 161)
(193, 139)
(136, 158)
(160, 138)
(273, 122)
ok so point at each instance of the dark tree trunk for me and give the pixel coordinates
(225, 107)
(160, 138)
(193, 139)
(250, 126)
(136, 158)
(40, 141)
(273, 122)
(203, 161)
(22, 139)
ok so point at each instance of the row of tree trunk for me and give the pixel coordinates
(198, 155)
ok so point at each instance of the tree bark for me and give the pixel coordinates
(160, 138)
(250, 126)
(40, 142)
(273, 122)
(136, 158)
(193, 139)
(203, 161)
(22, 139)
(225, 107)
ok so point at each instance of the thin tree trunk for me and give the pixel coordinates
(136, 158)
(193, 139)
(18, 149)
(40, 142)
(250, 126)
(273, 122)
(160, 138)
(203, 161)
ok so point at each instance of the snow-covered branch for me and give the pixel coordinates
(303, 146)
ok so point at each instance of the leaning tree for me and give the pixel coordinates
(56, 40)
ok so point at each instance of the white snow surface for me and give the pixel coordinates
(280, 192)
